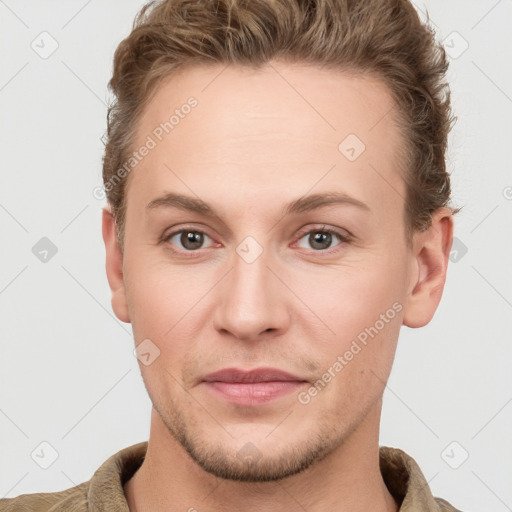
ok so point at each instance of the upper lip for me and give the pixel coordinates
(250, 376)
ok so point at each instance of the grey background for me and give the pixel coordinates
(68, 376)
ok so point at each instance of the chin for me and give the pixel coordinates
(251, 463)
(249, 453)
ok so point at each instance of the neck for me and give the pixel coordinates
(347, 479)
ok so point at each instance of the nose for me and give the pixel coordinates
(252, 299)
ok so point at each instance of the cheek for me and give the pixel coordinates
(361, 314)
(355, 367)
(347, 300)
(160, 294)
(166, 307)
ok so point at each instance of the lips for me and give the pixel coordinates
(251, 388)
(252, 376)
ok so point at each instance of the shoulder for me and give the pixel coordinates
(407, 484)
(104, 491)
(444, 506)
(73, 499)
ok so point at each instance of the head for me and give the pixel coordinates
(309, 140)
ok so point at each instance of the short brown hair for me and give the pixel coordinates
(384, 38)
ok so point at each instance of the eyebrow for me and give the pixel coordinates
(301, 205)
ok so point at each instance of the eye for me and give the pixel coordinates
(189, 239)
(322, 239)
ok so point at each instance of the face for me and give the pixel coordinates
(266, 230)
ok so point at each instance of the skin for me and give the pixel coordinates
(251, 146)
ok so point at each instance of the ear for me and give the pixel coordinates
(114, 266)
(429, 263)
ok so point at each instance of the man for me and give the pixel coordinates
(278, 208)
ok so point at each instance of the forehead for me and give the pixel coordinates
(264, 129)
(313, 100)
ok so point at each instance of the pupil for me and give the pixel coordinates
(321, 238)
(192, 240)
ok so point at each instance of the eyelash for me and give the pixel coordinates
(344, 239)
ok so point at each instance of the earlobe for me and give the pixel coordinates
(114, 267)
(430, 263)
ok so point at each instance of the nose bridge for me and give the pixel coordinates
(252, 298)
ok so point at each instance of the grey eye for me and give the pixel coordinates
(319, 240)
(189, 240)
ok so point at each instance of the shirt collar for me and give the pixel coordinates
(400, 472)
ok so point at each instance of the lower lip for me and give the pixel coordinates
(254, 393)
